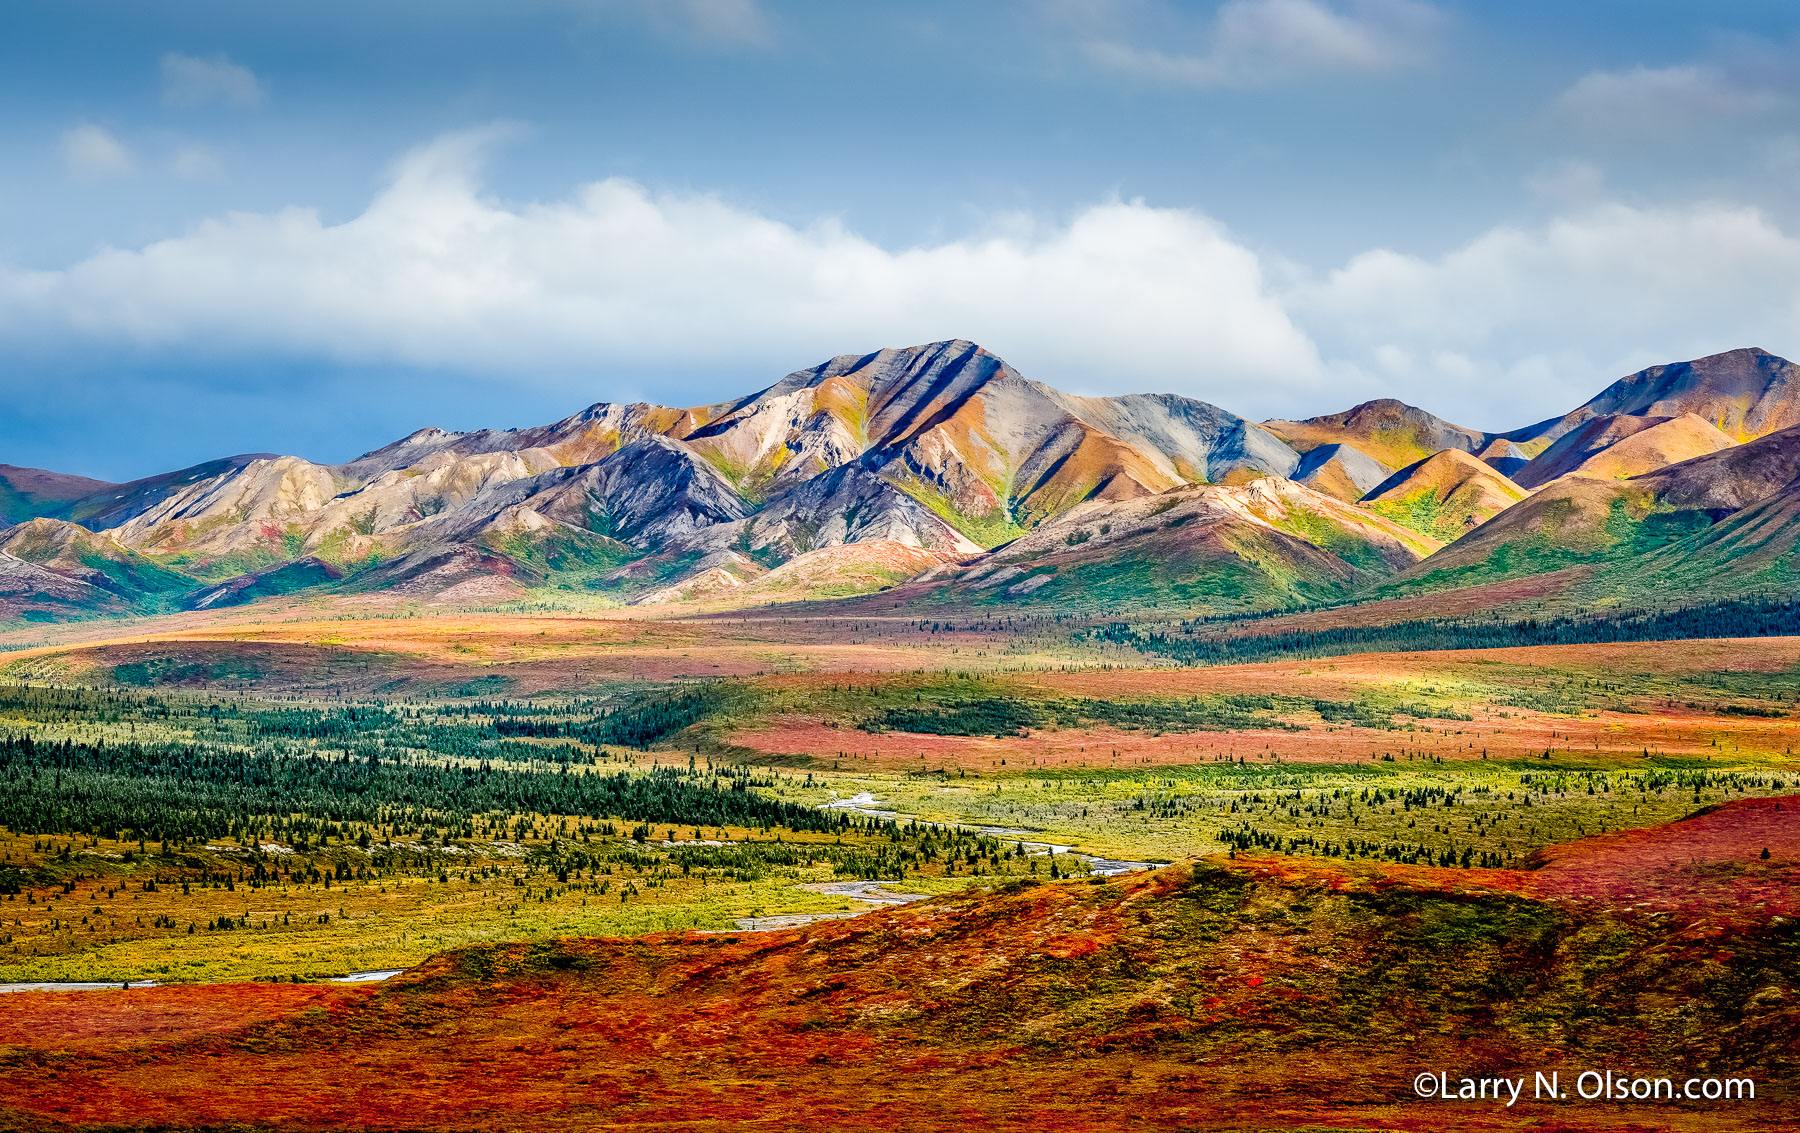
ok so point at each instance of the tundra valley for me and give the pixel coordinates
(912, 745)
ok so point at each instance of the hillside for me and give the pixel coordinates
(1032, 1006)
(1392, 432)
(1270, 544)
(1617, 447)
(1444, 496)
(26, 493)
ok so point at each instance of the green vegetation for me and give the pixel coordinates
(989, 530)
(251, 838)
(1422, 511)
(1004, 716)
(565, 557)
(1622, 536)
(1197, 643)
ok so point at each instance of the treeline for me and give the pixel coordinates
(1719, 619)
(640, 723)
(1248, 838)
(1005, 716)
(185, 792)
(490, 729)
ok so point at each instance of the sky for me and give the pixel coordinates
(313, 228)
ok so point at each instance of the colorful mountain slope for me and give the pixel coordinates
(1619, 446)
(1269, 544)
(117, 504)
(1393, 432)
(1746, 393)
(945, 449)
(941, 446)
(1341, 470)
(129, 579)
(1445, 495)
(1754, 551)
(32, 593)
(841, 570)
(26, 493)
(1730, 478)
(1580, 520)
(1504, 457)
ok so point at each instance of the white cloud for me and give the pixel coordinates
(1654, 100)
(1516, 324)
(616, 278)
(189, 81)
(1543, 317)
(91, 152)
(197, 163)
(1252, 42)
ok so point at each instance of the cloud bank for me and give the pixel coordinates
(619, 282)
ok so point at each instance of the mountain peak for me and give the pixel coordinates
(1389, 430)
(1745, 393)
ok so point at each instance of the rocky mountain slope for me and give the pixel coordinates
(938, 459)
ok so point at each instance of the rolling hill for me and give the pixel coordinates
(1241, 992)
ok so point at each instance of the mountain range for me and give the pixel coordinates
(939, 475)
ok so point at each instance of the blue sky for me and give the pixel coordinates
(313, 228)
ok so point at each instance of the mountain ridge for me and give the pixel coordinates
(942, 449)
